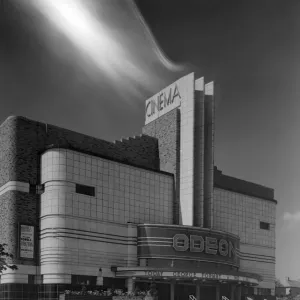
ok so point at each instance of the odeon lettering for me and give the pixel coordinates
(208, 245)
(163, 99)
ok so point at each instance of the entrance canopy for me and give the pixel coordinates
(216, 276)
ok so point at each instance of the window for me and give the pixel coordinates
(264, 225)
(85, 190)
(83, 280)
(36, 189)
(247, 290)
(114, 283)
(263, 292)
(31, 279)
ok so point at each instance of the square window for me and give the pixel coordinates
(264, 226)
(85, 190)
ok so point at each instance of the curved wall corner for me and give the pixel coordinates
(73, 238)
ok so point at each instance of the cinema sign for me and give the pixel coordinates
(208, 244)
(169, 242)
(169, 98)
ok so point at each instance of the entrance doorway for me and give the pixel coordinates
(162, 288)
(208, 292)
(183, 291)
(163, 291)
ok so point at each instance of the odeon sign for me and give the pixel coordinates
(187, 243)
(208, 245)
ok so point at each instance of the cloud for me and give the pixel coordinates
(292, 217)
(109, 39)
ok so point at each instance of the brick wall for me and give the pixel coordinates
(167, 130)
(22, 141)
(8, 151)
(16, 207)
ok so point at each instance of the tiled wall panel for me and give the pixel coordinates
(80, 233)
(241, 215)
(123, 193)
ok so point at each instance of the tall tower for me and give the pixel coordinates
(181, 117)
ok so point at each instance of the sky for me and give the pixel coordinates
(93, 75)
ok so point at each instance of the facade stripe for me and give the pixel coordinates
(83, 232)
(14, 186)
(86, 239)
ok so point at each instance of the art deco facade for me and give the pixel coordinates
(150, 208)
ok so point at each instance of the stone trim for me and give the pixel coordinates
(14, 186)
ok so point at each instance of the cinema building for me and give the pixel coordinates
(153, 208)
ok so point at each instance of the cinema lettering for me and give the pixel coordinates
(207, 244)
(162, 100)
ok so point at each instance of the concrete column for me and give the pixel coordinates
(218, 292)
(273, 292)
(131, 249)
(255, 291)
(172, 290)
(199, 152)
(187, 128)
(130, 284)
(238, 292)
(99, 277)
(209, 109)
(99, 280)
(232, 291)
(198, 295)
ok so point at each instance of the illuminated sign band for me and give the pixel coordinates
(187, 275)
(181, 274)
(176, 242)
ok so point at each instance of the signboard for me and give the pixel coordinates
(187, 243)
(168, 99)
(188, 275)
(207, 244)
(26, 241)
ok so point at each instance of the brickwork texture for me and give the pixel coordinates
(167, 130)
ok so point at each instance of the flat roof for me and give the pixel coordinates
(242, 186)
